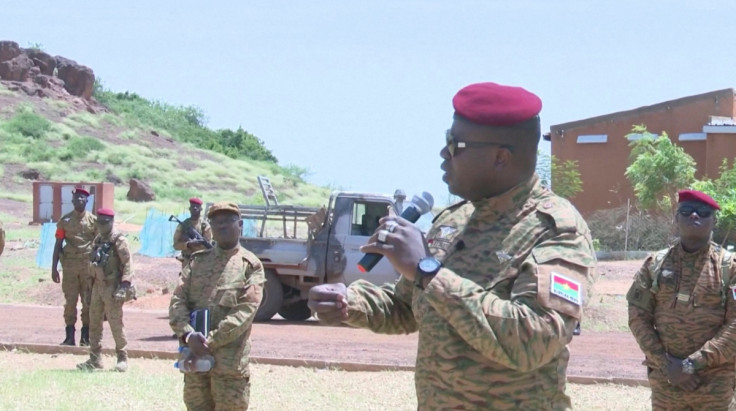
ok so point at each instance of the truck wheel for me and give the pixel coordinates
(273, 296)
(298, 311)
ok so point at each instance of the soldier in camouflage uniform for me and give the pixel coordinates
(182, 241)
(498, 285)
(682, 312)
(228, 280)
(75, 231)
(111, 267)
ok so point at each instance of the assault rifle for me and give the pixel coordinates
(192, 233)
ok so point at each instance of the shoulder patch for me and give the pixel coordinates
(561, 287)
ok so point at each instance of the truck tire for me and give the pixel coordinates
(273, 296)
(298, 311)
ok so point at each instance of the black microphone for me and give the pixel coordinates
(419, 205)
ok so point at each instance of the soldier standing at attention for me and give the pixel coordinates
(683, 314)
(182, 241)
(75, 231)
(111, 266)
(228, 280)
(496, 288)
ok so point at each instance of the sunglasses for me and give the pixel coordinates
(701, 211)
(453, 144)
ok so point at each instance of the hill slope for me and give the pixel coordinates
(68, 140)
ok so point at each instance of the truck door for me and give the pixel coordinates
(352, 230)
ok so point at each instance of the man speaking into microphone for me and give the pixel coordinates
(497, 286)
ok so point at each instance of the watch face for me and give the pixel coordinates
(429, 265)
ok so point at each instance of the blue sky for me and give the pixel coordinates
(359, 92)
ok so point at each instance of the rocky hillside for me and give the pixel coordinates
(55, 126)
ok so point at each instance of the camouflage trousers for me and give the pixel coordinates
(216, 392)
(103, 304)
(715, 392)
(76, 284)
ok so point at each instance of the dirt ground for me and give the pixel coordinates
(38, 319)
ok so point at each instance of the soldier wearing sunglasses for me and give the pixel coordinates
(498, 284)
(682, 312)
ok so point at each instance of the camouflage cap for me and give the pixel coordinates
(222, 207)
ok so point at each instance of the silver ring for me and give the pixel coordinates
(382, 236)
(391, 226)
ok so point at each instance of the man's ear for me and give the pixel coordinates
(503, 157)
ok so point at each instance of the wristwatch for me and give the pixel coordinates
(688, 367)
(427, 267)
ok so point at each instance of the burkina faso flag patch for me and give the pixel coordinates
(566, 288)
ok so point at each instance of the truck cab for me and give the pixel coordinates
(301, 247)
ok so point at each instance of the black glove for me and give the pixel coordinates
(676, 377)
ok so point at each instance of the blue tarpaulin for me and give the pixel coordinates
(45, 252)
(157, 237)
(157, 234)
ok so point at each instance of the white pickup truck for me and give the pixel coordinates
(301, 247)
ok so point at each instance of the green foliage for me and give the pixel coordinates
(565, 178)
(28, 124)
(658, 170)
(184, 123)
(723, 190)
(239, 143)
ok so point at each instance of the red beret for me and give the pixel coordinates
(195, 200)
(492, 104)
(692, 195)
(106, 211)
(80, 190)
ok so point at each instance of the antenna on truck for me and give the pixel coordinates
(269, 194)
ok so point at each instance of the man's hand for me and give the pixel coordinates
(55, 275)
(675, 376)
(329, 302)
(121, 292)
(403, 244)
(198, 344)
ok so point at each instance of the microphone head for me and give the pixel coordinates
(423, 202)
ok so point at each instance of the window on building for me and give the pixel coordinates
(592, 138)
(691, 137)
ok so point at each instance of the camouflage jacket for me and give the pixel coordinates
(230, 284)
(118, 267)
(491, 333)
(684, 304)
(180, 235)
(79, 229)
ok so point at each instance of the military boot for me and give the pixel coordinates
(84, 339)
(92, 364)
(122, 364)
(69, 340)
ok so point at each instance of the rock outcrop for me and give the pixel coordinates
(44, 75)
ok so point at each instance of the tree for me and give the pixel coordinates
(566, 180)
(658, 169)
(723, 190)
(565, 176)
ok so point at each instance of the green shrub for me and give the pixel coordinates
(28, 124)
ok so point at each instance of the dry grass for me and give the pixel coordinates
(50, 382)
